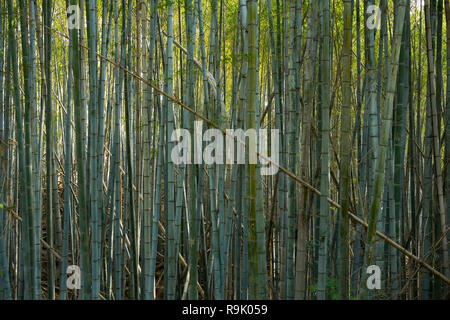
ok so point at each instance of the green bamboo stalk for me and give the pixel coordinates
(67, 192)
(260, 219)
(79, 149)
(220, 115)
(132, 221)
(447, 114)
(158, 204)
(291, 108)
(36, 153)
(91, 19)
(148, 209)
(324, 152)
(170, 192)
(345, 146)
(251, 124)
(26, 58)
(5, 282)
(146, 149)
(23, 179)
(106, 27)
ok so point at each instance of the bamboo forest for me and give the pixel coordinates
(224, 149)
